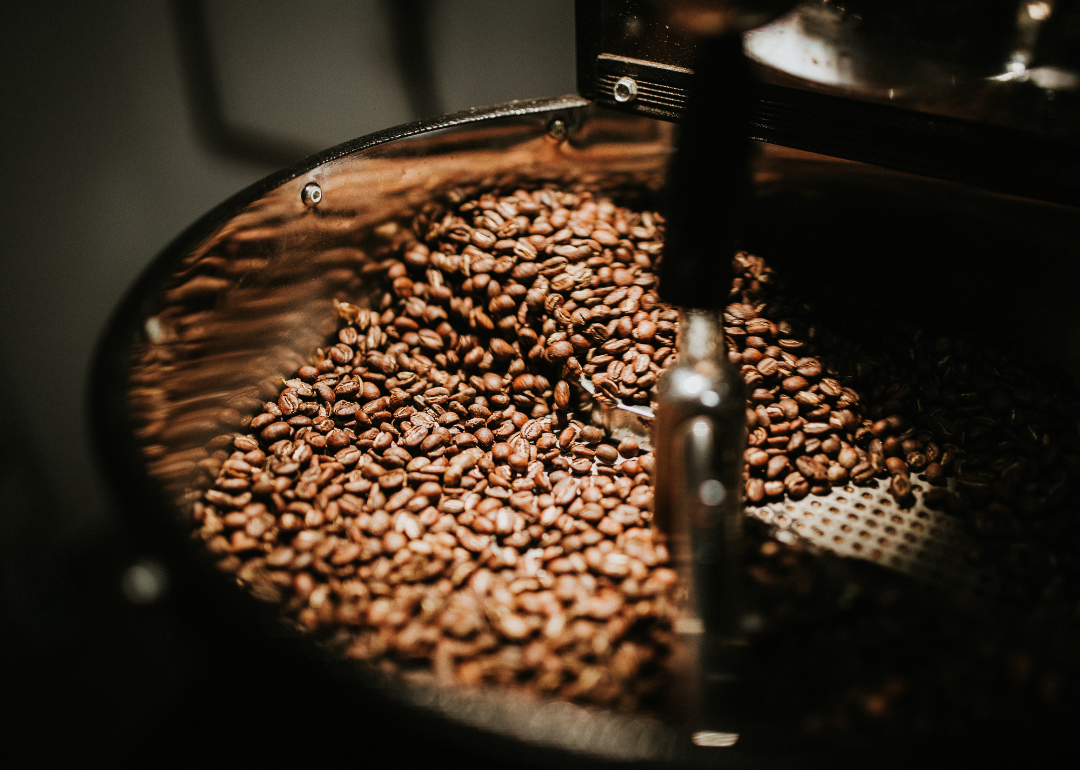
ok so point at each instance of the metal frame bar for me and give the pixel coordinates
(992, 157)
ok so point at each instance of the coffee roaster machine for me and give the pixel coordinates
(927, 154)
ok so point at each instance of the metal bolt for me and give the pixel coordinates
(311, 195)
(625, 90)
(557, 129)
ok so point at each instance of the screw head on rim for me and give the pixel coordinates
(311, 195)
(625, 90)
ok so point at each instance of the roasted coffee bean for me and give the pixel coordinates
(809, 368)
(795, 383)
(607, 454)
(811, 468)
(864, 471)
(900, 486)
(935, 473)
(796, 485)
(561, 394)
(756, 457)
(559, 351)
(916, 461)
(778, 465)
(896, 466)
(289, 403)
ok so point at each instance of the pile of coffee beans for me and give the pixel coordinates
(807, 430)
(428, 491)
(994, 433)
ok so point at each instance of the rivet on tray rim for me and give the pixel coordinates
(311, 195)
(557, 129)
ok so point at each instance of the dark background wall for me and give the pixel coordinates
(101, 166)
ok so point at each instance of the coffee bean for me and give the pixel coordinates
(289, 403)
(796, 485)
(935, 473)
(809, 368)
(275, 431)
(769, 367)
(896, 466)
(590, 434)
(900, 486)
(778, 465)
(559, 351)
(607, 454)
(811, 468)
(756, 457)
(916, 461)
(863, 471)
(795, 383)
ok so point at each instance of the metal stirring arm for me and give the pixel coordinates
(698, 444)
(700, 426)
